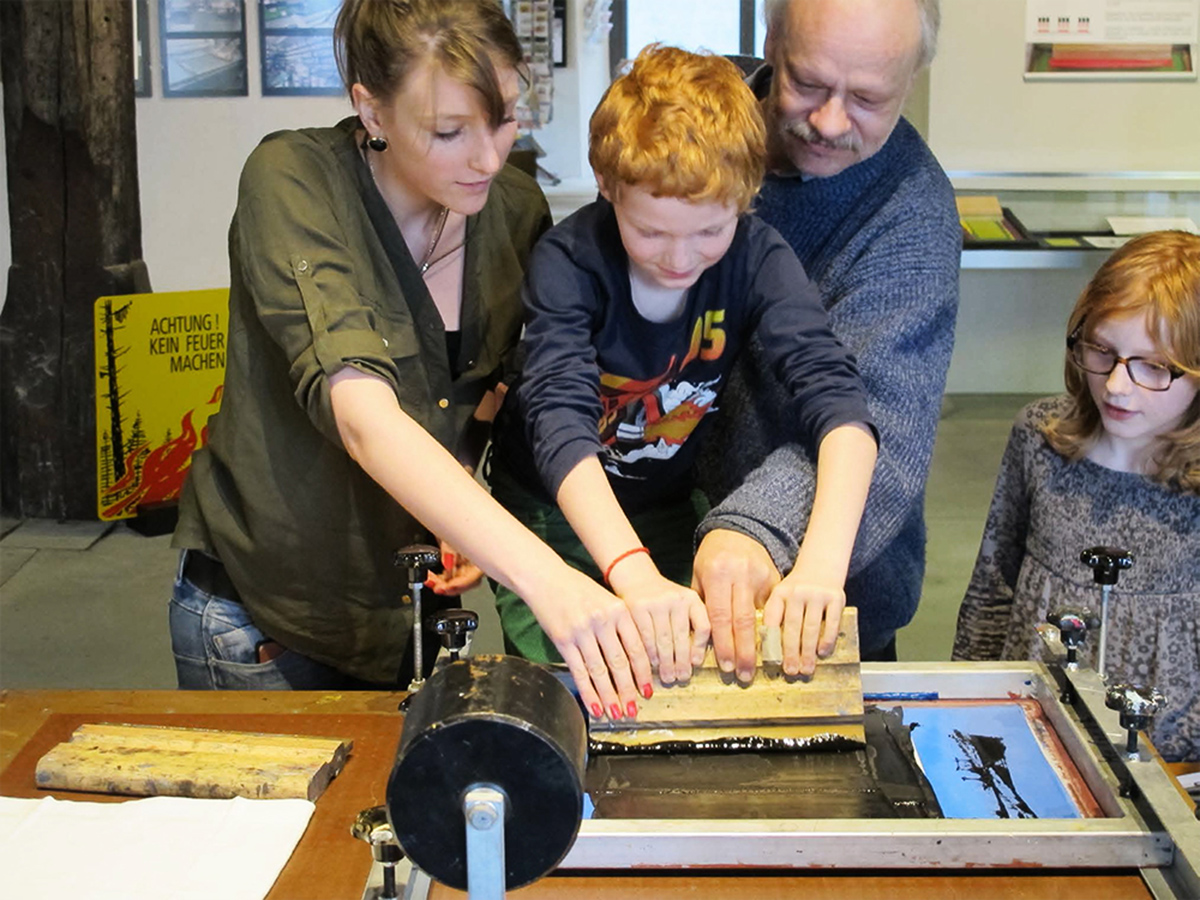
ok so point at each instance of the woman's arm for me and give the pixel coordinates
(814, 590)
(670, 617)
(591, 628)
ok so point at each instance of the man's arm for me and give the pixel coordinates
(900, 329)
(902, 341)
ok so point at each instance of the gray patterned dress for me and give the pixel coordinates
(1045, 510)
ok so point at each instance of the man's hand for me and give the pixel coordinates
(734, 575)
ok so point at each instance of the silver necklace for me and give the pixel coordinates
(427, 259)
(440, 226)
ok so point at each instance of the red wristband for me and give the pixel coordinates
(612, 565)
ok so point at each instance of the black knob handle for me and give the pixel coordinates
(1106, 562)
(1137, 705)
(454, 627)
(371, 826)
(1072, 625)
(419, 560)
(455, 623)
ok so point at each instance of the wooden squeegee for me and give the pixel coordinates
(715, 711)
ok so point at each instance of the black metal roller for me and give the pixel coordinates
(496, 720)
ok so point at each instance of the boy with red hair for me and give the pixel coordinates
(636, 307)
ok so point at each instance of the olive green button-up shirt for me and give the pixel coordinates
(320, 278)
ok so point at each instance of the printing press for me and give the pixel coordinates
(499, 779)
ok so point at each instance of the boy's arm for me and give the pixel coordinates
(559, 398)
(558, 395)
(670, 617)
(813, 591)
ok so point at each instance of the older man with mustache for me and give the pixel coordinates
(859, 196)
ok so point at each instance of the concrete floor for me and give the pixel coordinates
(84, 605)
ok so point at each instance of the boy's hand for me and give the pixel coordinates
(808, 603)
(669, 616)
(734, 574)
(598, 641)
(458, 574)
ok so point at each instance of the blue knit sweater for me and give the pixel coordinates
(882, 241)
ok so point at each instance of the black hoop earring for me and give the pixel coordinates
(377, 144)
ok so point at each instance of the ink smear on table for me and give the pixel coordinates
(985, 763)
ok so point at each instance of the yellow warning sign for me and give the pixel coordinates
(160, 364)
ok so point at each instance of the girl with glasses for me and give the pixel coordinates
(1115, 462)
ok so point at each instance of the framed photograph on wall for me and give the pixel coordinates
(203, 48)
(141, 48)
(296, 40)
(1098, 40)
(558, 34)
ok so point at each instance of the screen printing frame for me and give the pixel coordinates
(1147, 824)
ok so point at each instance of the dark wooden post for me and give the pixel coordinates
(75, 220)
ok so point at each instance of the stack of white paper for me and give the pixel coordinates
(160, 847)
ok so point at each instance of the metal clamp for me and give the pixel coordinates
(455, 627)
(483, 809)
(418, 560)
(1137, 706)
(1106, 563)
(372, 826)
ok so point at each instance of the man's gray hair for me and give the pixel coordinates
(930, 12)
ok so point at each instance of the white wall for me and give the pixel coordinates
(985, 117)
(190, 153)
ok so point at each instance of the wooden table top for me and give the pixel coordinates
(329, 864)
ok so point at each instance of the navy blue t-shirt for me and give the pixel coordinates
(600, 379)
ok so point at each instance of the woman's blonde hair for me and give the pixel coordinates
(1158, 274)
(378, 43)
(682, 125)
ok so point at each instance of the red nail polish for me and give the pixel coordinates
(448, 561)
(647, 691)
(616, 711)
(631, 710)
(597, 710)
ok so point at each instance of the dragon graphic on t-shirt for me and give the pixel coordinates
(650, 419)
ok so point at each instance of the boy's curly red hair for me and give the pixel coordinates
(680, 124)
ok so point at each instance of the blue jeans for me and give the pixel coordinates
(215, 643)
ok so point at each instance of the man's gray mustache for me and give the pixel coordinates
(801, 129)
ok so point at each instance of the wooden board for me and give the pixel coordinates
(714, 707)
(152, 760)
